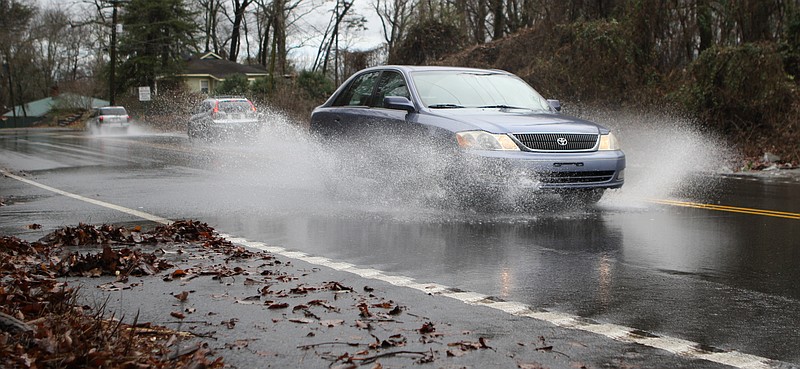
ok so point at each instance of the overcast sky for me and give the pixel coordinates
(318, 20)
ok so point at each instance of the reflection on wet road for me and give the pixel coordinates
(718, 266)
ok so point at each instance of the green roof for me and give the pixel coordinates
(41, 107)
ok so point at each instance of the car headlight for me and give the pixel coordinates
(608, 142)
(482, 140)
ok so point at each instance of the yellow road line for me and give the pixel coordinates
(731, 209)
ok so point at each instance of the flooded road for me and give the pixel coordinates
(710, 258)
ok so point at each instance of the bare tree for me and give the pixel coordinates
(395, 16)
(331, 36)
(210, 10)
(52, 45)
(239, 9)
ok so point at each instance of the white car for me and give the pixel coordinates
(109, 118)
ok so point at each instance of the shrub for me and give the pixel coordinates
(737, 89)
(745, 92)
(315, 84)
(236, 84)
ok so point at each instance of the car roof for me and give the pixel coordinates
(425, 68)
(228, 98)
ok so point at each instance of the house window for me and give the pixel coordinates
(204, 86)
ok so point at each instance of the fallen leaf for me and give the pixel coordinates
(427, 328)
(230, 323)
(336, 286)
(330, 323)
(281, 305)
(182, 296)
(456, 353)
(323, 303)
(177, 314)
(364, 310)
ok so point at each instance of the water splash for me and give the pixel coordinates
(666, 155)
(384, 173)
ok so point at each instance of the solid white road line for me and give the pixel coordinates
(136, 213)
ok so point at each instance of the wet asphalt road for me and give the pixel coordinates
(658, 260)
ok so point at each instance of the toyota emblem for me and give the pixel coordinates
(562, 141)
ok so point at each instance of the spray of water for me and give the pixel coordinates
(384, 172)
(134, 129)
(666, 155)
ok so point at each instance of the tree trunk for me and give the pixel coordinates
(498, 26)
(704, 25)
(754, 17)
(480, 22)
(238, 15)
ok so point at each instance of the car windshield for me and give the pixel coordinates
(235, 106)
(476, 89)
(113, 111)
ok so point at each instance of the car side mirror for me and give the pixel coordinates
(399, 103)
(555, 105)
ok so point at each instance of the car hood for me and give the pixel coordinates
(519, 121)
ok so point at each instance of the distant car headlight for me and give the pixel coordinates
(482, 140)
(608, 142)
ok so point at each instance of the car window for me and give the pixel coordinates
(390, 84)
(359, 91)
(235, 106)
(113, 111)
(476, 89)
(204, 107)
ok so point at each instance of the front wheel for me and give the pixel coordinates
(583, 197)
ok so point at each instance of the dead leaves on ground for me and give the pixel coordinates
(52, 328)
(30, 290)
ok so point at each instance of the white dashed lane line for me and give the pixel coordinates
(615, 332)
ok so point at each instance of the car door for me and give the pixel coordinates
(394, 121)
(200, 113)
(349, 111)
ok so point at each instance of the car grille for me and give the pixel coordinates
(577, 177)
(550, 141)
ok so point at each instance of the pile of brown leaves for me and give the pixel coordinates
(41, 325)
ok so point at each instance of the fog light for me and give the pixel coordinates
(621, 175)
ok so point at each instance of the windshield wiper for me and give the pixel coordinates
(445, 106)
(502, 106)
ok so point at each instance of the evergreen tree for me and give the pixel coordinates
(157, 35)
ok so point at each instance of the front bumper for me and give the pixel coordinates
(544, 171)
